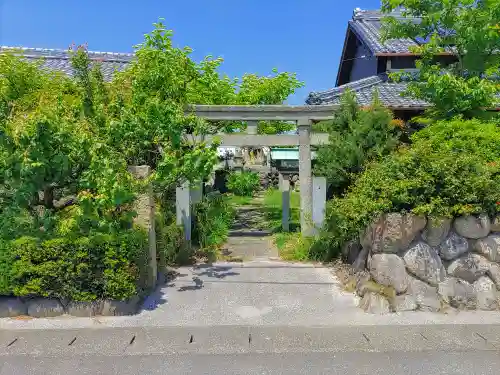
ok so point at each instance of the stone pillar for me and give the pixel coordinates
(252, 127)
(285, 199)
(305, 177)
(183, 209)
(319, 202)
(144, 205)
(196, 192)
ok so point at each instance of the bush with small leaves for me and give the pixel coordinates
(83, 269)
(452, 168)
(245, 183)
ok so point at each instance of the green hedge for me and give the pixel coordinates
(243, 183)
(6, 261)
(81, 269)
(452, 168)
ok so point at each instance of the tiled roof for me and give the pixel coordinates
(59, 60)
(366, 24)
(390, 93)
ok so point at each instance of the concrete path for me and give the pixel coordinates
(470, 349)
(262, 292)
(250, 339)
(425, 363)
(248, 238)
(254, 293)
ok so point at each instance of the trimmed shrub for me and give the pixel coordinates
(243, 184)
(83, 269)
(452, 168)
(356, 136)
(6, 261)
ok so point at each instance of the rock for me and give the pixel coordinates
(369, 261)
(375, 304)
(453, 246)
(469, 267)
(436, 230)
(486, 294)
(424, 262)
(120, 308)
(472, 226)
(361, 279)
(426, 296)
(457, 293)
(351, 250)
(389, 270)
(44, 308)
(12, 307)
(392, 232)
(495, 224)
(360, 262)
(489, 247)
(84, 309)
(405, 302)
(494, 273)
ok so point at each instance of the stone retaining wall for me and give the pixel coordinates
(11, 307)
(406, 262)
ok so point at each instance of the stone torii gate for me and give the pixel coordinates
(304, 117)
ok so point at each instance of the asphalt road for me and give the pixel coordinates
(355, 363)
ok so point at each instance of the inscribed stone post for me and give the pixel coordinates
(285, 198)
(196, 191)
(144, 205)
(183, 209)
(305, 177)
(319, 201)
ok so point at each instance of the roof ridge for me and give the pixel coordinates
(390, 94)
(374, 14)
(355, 85)
(58, 53)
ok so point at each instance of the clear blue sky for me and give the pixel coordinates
(253, 36)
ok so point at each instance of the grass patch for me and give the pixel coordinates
(235, 200)
(292, 246)
(272, 206)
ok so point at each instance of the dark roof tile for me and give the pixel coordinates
(367, 25)
(390, 94)
(59, 60)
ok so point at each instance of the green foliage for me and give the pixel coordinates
(468, 28)
(452, 168)
(292, 246)
(170, 245)
(99, 266)
(66, 195)
(6, 261)
(243, 183)
(251, 89)
(357, 135)
(52, 152)
(213, 218)
(273, 209)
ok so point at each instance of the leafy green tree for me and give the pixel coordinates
(67, 141)
(470, 30)
(356, 136)
(52, 153)
(147, 103)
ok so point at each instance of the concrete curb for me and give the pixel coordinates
(250, 339)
